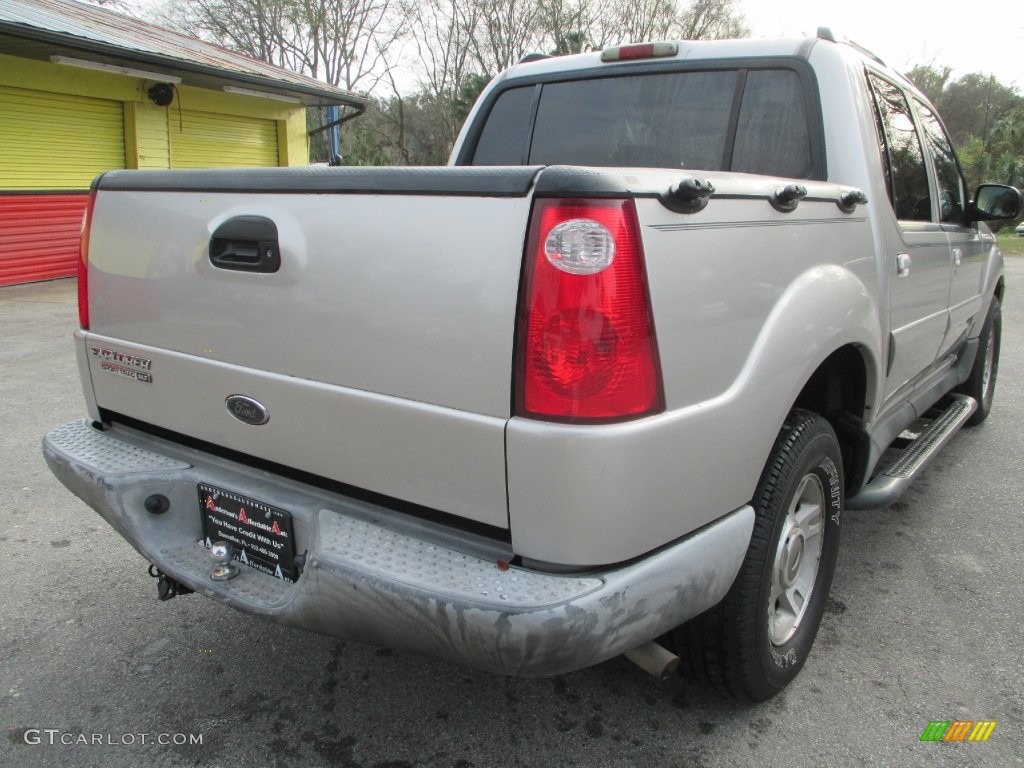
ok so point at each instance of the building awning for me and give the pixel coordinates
(73, 33)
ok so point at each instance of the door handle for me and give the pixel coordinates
(246, 244)
(903, 262)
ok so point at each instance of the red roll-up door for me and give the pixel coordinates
(39, 235)
(51, 147)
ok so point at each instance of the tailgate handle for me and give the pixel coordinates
(246, 244)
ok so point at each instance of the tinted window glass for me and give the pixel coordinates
(950, 182)
(909, 192)
(506, 133)
(883, 149)
(674, 120)
(666, 120)
(771, 136)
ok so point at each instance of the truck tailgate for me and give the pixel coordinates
(381, 349)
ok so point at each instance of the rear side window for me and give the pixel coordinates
(901, 152)
(505, 139)
(753, 121)
(771, 136)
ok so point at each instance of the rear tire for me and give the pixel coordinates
(754, 643)
(981, 384)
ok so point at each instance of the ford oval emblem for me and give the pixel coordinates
(247, 410)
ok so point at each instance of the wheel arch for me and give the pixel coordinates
(841, 390)
(836, 369)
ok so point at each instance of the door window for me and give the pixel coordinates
(902, 156)
(947, 171)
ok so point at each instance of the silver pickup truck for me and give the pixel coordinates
(608, 379)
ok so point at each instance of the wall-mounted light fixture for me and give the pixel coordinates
(115, 69)
(161, 94)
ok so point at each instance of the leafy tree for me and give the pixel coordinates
(931, 80)
(1006, 148)
(974, 103)
(985, 119)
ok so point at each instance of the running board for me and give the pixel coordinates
(889, 484)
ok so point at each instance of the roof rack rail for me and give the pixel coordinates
(826, 33)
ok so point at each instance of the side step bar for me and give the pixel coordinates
(889, 484)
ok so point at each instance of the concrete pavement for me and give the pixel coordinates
(924, 624)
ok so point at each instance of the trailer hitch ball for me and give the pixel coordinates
(223, 569)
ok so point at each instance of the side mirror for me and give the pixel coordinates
(996, 201)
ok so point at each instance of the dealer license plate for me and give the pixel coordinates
(262, 536)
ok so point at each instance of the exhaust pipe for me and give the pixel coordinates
(654, 659)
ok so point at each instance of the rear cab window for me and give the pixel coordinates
(751, 119)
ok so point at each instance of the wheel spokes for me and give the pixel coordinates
(792, 601)
(808, 518)
(797, 556)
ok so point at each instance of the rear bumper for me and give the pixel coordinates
(374, 576)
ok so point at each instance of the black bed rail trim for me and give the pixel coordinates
(435, 181)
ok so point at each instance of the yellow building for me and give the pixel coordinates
(84, 90)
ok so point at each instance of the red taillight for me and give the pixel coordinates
(586, 348)
(83, 264)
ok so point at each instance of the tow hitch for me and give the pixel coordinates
(166, 587)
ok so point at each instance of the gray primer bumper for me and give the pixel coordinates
(372, 577)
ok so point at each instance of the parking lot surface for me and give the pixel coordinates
(924, 624)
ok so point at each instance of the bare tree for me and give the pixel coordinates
(575, 26)
(711, 20)
(639, 20)
(442, 31)
(342, 42)
(259, 29)
(572, 26)
(504, 31)
(347, 41)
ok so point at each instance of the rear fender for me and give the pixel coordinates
(595, 494)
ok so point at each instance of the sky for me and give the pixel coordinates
(946, 33)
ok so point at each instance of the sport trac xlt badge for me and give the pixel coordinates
(123, 364)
